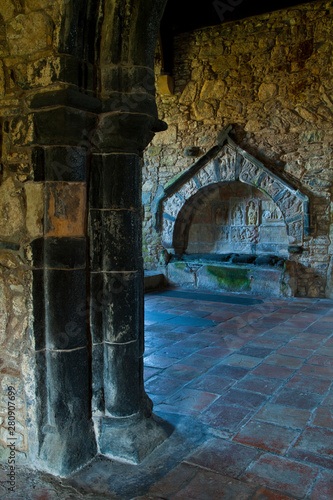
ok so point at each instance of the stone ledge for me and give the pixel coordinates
(154, 280)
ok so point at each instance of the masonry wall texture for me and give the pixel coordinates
(270, 77)
(31, 62)
(26, 37)
(76, 84)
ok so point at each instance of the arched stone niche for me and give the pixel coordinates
(230, 217)
(226, 162)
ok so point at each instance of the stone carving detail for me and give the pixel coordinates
(272, 218)
(250, 172)
(295, 231)
(245, 234)
(290, 205)
(206, 175)
(271, 186)
(168, 226)
(237, 215)
(189, 189)
(227, 165)
(271, 214)
(252, 213)
(172, 206)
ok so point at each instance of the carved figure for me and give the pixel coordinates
(237, 215)
(252, 214)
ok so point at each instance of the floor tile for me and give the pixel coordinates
(325, 350)
(283, 415)
(316, 371)
(323, 488)
(296, 352)
(216, 352)
(223, 456)
(257, 352)
(173, 351)
(323, 417)
(161, 385)
(307, 341)
(268, 494)
(209, 485)
(155, 361)
(191, 399)
(308, 384)
(200, 361)
(297, 399)
(266, 436)
(320, 361)
(328, 400)
(281, 360)
(223, 416)
(149, 372)
(314, 445)
(282, 474)
(183, 372)
(262, 385)
(173, 481)
(246, 399)
(242, 361)
(233, 372)
(272, 371)
(211, 383)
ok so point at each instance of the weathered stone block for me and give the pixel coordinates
(125, 132)
(123, 387)
(109, 186)
(65, 209)
(29, 33)
(7, 9)
(59, 163)
(65, 431)
(115, 307)
(34, 195)
(63, 126)
(61, 323)
(11, 210)
(181, 274)
(233, 278)
(57, 253)
(115, 237)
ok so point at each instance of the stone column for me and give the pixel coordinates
(121, 409)
(65, 433)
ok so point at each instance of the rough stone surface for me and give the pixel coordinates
(269, 76)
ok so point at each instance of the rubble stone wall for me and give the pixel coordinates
(270, 77)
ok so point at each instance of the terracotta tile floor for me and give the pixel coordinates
(259, 378)
(247, 384)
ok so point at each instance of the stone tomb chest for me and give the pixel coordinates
(230, 224)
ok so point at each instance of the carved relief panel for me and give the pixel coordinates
(261, 213)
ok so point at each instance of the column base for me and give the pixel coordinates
(130, 439)
(61, 458)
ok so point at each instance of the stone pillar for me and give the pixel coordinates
(122, 411)
(65, 433)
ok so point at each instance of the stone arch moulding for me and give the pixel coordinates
(226, 162)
